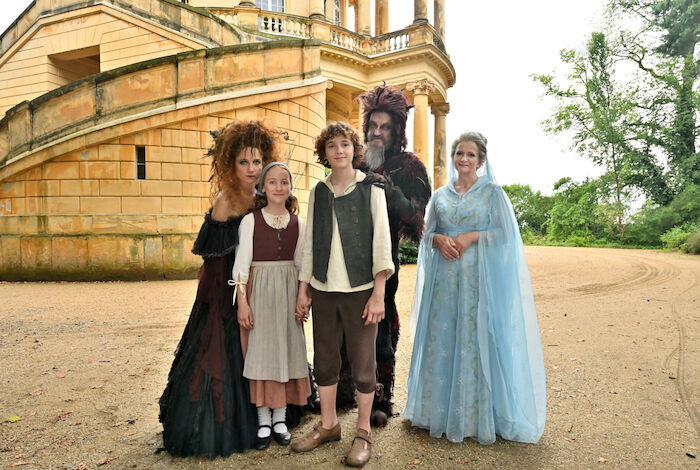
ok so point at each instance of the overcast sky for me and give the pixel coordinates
(494, 47)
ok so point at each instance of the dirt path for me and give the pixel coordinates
(82, 366)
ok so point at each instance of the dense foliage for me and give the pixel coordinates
(408, 252)
(642, 129)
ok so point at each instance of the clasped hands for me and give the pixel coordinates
(452, 248)
(373, 312)
(303, 303)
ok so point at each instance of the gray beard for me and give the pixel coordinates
(374, 156)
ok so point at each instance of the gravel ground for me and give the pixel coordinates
(82, 366)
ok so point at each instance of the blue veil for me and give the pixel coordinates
(510, 352)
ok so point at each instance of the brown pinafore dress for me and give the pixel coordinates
(275, 361)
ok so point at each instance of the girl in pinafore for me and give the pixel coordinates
(266, 273)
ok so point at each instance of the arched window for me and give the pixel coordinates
(270, 5)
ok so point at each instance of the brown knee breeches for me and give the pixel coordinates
(335, 313)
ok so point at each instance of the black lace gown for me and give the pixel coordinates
(205, 408)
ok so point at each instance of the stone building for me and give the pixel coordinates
(108, 105)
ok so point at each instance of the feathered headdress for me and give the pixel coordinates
(391, 101)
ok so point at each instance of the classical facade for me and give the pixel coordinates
(108, 106)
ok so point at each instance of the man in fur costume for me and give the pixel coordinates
(385, 110)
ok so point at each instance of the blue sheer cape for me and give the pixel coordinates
(511, 395)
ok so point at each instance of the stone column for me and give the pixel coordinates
(440, 157)
(316, 9)
(381, 17)
(420, 11)
(420, 91)
(364, 22)
(439, 21)
(344, 14)
(246, 14)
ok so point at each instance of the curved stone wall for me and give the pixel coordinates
(71, 204)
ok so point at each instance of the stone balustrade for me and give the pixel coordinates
(438, 42)
(346, 39)
(289, 25)
(390, 42)
(270, 22)
(299, 26)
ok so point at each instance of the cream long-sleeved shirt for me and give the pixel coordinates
(337, 276)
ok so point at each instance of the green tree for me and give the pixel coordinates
(597, 111)
(531, 207)
(576, 211)
(662, 48)
(653, 220)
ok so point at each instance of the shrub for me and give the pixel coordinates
(692, 243)
(408, 252)
(676, 237)
(578, 240)
(531, 237)
(653, 221)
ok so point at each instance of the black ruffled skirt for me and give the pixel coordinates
(190, 427)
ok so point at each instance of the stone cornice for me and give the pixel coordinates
(416, 54)
(167, 14)
(410, 54)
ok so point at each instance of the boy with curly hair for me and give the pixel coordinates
(346, 261)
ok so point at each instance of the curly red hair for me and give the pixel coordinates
(229, 142)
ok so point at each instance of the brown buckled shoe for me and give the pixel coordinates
(361, 449)
(314, 438)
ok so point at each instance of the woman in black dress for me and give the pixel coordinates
(205, 408)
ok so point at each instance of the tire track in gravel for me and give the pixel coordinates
(637, 273)
(680, 351)
(643, 274)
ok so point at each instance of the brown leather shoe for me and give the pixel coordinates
(361, 449)
(314, 438)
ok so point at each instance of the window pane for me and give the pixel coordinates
(141, 163)
(336, 12)
(270, 5)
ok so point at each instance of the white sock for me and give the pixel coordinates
(264, 419)
(279, 416)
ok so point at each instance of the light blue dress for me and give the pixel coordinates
(477, 368)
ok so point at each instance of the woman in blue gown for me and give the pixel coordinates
(476, 368)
